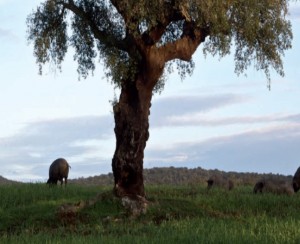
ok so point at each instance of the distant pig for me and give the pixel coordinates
(296, 180)
(258, 187)
(58, 170)
(275, 186)
(219, 181)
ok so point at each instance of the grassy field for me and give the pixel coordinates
(187, 214)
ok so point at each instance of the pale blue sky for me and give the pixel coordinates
(213, 119)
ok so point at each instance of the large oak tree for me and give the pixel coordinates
(139, 40)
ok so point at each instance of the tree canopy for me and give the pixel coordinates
(121, 32)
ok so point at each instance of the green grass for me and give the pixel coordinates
(186, 214)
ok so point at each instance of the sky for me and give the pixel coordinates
(213, 119)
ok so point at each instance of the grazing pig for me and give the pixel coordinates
(219, 181)
(259, 186)
(58, 170)
(296, 180)
(273, 186)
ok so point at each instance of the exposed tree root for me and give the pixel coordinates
(133, 207)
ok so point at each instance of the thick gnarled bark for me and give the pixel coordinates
(132, 132)
(131, 115)
(132, 110)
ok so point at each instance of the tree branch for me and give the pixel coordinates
(168, 14)
(103, 36)
(185, 47)
(152, 36)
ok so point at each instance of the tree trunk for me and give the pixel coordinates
(131, 115)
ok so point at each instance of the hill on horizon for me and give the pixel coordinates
(4, 181)
(174, 176)
(183, 176)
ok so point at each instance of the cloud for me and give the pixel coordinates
(164, 110)
(88, 142)
(83, 141)
(205, 120)
(267, 150)
(62, 131)
(194, 111)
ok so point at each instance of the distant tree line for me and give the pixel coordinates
(184, 176)
(176, 176)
